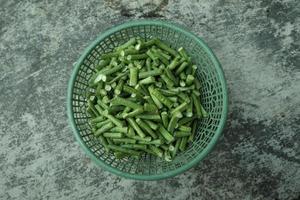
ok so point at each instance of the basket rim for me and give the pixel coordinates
(204, 152)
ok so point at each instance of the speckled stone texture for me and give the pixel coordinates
(257, 42)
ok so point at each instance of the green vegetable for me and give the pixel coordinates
(134, 125)
(113, 135)
(145, 127)
(144, 96)
(169, 138)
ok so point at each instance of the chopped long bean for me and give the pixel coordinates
(144, 96)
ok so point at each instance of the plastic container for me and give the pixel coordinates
(213, 97)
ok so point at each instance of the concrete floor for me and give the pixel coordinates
(257, 42)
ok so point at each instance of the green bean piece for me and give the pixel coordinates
(182, 76)
(151, 124)
(124, 102)
(113, 119)
(154, 117)
(119, 87)
(183, 53)
(137, 56)
(135, 146)
(92, 114)
(189, 110)
(134, 125)
(164, 100)
(109, 141)
(167, 80)
(183, 97)
(180, 108)
(124, 140)
(175, 62)
(111, 70)
(150, 107)
(131, 90)
(138, 138)
(126, 109)
(148, 64)
(170, 75)
(130, 132)
(171, 148)
(162, 53)
(115, 109)
(193, 132)
(152, 55)
(149, 43)
(183, 143)
(197, 84)
(107, 87)
(92, 108)
(158, 84)
(133, 75)
(145, 127)
(196, 92)
(197, 105)
(119, 129)
(134, 113)
(141, 89)
(203, 111)
(154, 98)
(100, 124)
(168, 93)
(102, 64)
(164, 117)
(173, 99)
(164, 147)
(124, 150)
(119, 76)
(127, 44)
(167, 156)
(103, 105)
(103, 129)
(147, 80)
(104, 143)
(182, 83)
(169, 138)
(173, 122)
(126, 52)
(185, 128)
(160, 57)
(178, 141)
(165, 47)
(120, 155)
(182, 89)
(190, 79)
(182, 134)
(151, 73)
(97, 119)
(149, 100)
(156, 150)
(138, 64)
(156, 142)
(181, 68)
(113, 135)
(109, 55)
(102, 92)
(113, 85)
(185, 120)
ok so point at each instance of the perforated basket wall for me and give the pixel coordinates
(213, 98)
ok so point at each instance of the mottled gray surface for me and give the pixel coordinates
(257, 43)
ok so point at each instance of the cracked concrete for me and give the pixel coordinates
(257, 43)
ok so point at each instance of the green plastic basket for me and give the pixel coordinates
(213, 98)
